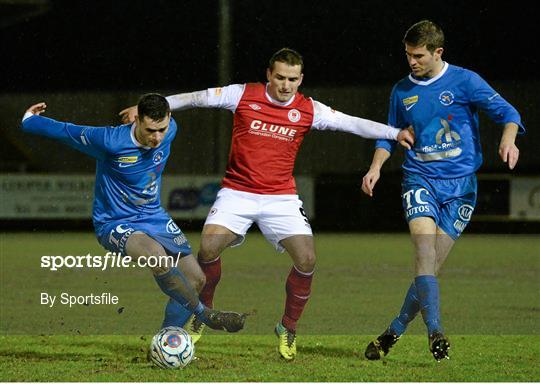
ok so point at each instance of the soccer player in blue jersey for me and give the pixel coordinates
(127, 214)
(441, 101)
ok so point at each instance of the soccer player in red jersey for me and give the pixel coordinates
(270, 122)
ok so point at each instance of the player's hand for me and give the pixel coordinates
(369, 181)
(406, 137)
(128, 115)
(509, 153)
(37, 109)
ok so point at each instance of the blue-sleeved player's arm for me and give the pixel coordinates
(395, 119)
(383, 149)
(89, 140)
(484, 97)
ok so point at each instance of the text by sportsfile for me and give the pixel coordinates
(109, 260)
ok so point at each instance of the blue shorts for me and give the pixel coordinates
(113, 236)
(450, 202)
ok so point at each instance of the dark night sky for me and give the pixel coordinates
(121, 45)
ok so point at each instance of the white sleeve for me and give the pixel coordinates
(225, 97)
(325, 118)
(27, 115)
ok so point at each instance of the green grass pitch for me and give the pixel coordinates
(490, 306)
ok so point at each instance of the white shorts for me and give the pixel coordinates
(277, 216)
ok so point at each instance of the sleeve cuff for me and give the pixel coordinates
(385, 144)
(394, 132)
(27, 115)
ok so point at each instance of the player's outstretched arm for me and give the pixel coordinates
(374, 173)
(326, 118)
(508, 151)
(224, 97)
(177, 102)
(89, 140)
(36, 109)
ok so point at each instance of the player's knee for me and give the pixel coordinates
(208, 253)
(306, 262)
(426, 250)
(195, 277)
(160, 270)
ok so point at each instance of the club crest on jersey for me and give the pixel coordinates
(446, 98)
(158, 156)
(255, 107)
(294, 115)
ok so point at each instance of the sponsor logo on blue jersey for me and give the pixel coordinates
(127, 161)
(410, 102)
(447, 142)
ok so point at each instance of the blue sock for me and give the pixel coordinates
(409, 309)
(427, 288)
(174, 284)
(175, 315)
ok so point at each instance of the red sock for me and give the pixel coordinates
(298, 289)
(212, 271)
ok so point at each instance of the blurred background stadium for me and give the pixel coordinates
(90, 59)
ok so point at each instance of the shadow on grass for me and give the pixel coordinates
(79, 349)
(52, 356)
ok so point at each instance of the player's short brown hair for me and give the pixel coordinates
(287, 56)
(153, 105)
(426, 33)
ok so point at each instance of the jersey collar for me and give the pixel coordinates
(280, 103)
(433, 79)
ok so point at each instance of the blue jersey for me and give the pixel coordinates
(128, 174)
(443, 111)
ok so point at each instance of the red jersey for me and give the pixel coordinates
(265, 141)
